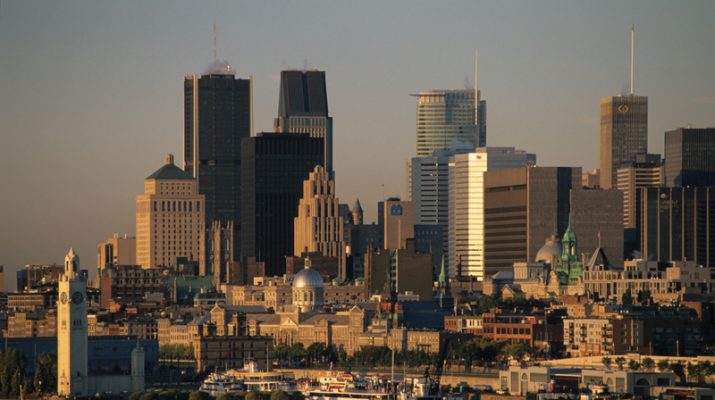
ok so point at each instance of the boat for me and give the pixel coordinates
(255, 380)
(217, 384)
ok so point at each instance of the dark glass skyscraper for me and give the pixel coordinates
(274, 168)
(217, 116)
(303, 108)
(690, 157)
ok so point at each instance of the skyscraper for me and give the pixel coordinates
(690, 157)
(624, 130)
(217, 116)
(676, 224)
(303, 108)
(274, 168)
(446, 120)
(522, 208)
(646, 171)
(318, 226)
(466, 204)
(170, 219)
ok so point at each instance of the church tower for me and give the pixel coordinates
(72, 330)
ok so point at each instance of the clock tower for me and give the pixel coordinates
(72, 330)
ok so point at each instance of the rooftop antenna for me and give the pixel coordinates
(215, 52)
(476, 86)
(633, 34)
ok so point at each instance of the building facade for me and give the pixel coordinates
(170, 219)
(319, 227)
(446, 120)
(522, 208)
(624, 134)
(646, 171)
(217, 117)
(676, 224)
(690, 157)
(466, 204)
(303, 108)
(399, 223)
(118, 250)
(597, 216)
(275, 165)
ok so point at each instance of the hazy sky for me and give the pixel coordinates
(91, 92)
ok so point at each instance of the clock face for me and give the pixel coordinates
(63, 298)
(77, 297)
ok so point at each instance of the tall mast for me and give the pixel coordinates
(476, 86)
(633, 34)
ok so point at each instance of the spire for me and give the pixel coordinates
(442, 275)
(633, 35)
(71, 263)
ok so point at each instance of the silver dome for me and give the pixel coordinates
(548, 251)
(308, 278)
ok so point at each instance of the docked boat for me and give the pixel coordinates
(255, 380)
(217, 384)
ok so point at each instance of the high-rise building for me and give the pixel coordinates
(624, 134)
(676, 224)
(690, 157)
(72, 368)
(523, 207)
(624, 130)
(646, 171)
(217, 117)
(118, 250)
(399, 223)
(466, 204)
(597, 218)
(356, 213)
(223, 255)
(170, 219)
(274, 168)
(303, 108)
(446, 120)
(319, 227)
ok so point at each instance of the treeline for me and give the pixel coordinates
(13, 379)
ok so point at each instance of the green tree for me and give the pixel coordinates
(252, 396)
(46, 373)
(150, 396)
(198, 395)
(279, 395)
(634, 365)
(227, 396)
(516, 351)
(693, 372)
(663, 365)
(627, 297)
(648, 364)
(679, 370)
(606, 361)
(135, 396)
(620, 361)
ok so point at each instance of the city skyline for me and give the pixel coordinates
(127, 96)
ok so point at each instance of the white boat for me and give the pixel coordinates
(217, 384)
(350, 395)
(255, 380)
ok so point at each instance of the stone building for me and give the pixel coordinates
(170, 219)
(319, 227)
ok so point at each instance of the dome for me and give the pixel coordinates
(549, 251)
(308, 278)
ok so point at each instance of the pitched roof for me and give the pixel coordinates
(169, 171)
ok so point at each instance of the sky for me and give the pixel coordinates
(91, 91)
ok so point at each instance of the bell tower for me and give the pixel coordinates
(72, 330)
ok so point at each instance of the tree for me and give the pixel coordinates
(679, 370)
(693, 372)
(648, 364)
(135, 396)
(198, 395)
(644, 296)
(279, 395)
(606, 361)
(252, 396)
(517, 351)
(46, 373)
(663, 365)
(227, 396)
(627, 297)
(620, 361)
(634, 365)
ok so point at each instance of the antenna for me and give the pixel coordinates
(476, 92)
(215, 55)
(633, 34)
